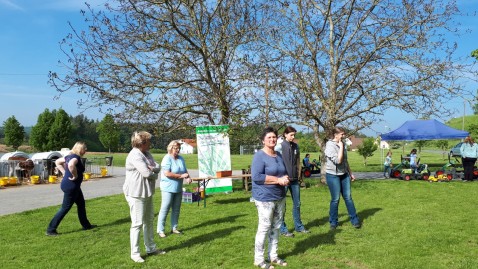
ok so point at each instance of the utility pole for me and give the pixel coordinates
(266, 93)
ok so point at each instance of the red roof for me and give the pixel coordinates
(191, 142)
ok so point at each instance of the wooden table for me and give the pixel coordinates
(205, 181)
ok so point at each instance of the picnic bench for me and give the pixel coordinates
(205, 180)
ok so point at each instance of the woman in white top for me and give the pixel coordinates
(141, 174)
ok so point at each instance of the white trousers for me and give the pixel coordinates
(271, 215)
(142, 216)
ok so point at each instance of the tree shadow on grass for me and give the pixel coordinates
(228, 219)
(363, 215)
(232, 201)
(327, 238)
(117, 222)
(203, 238)
(312, 242)
(317, 222)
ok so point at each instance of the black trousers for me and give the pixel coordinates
(74, 196)
(468, 167)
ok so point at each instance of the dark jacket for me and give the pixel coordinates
(291, 154)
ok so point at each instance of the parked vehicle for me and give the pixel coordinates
(405, 172)
(455, 151)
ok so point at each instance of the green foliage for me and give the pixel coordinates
(442, 144)
(367, 148)
(396, 145)
(84, 129)
(420, 144)
(475, 106)
(247, 135)
(307, 143)
(468, 123)
(39, 133)
(60, 131)
(109, 133)
(475, 54)
(14, 132)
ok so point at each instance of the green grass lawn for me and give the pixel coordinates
(412, 224)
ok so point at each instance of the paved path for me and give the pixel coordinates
(28, 197)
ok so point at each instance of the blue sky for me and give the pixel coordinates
(30, 32)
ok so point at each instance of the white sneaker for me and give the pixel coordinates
(137, 259)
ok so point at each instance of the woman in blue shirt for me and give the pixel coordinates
(173, 173)
(269, 178)
(72, 169)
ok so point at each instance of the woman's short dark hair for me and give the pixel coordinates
(266, 131)
(289, 129)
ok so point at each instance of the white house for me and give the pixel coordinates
(187, 146)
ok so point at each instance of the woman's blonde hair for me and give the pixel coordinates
(78, 147)
(140, 138)
(172, 144)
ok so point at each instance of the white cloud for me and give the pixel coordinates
(10, 4)
(72, 5)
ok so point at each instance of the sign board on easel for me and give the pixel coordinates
(214, 155)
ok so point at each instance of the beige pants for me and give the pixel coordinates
(142, 216)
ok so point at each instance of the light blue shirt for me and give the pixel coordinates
(469, 151)
(177, 166)
(413, 159)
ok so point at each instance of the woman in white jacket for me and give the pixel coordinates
(141, 174)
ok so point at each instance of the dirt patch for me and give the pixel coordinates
(5, 149)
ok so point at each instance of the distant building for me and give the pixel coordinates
(188, 146)
(355, 142)
(384, 145)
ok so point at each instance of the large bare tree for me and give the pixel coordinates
(346, 62)
(170, 62)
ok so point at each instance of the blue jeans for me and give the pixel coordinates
(386, 170)
(75, 196)
(294, 188)
(340, 184)
(169, 200)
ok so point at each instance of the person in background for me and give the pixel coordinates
(339, 176)
(291, 158)
(307, 162)
(174, 173)
(269, 178)
(72, 168)
(413, 160)
(387, 164)
(469, 154)
(139, 187)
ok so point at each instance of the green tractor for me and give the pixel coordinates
(405, 172)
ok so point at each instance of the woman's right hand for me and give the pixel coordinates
(284, 180)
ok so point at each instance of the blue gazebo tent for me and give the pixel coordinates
(424, 130)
